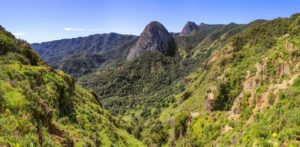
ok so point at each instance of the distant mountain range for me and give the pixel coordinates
(83, 55)
(79, 56)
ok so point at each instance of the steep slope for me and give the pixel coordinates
(79, 56)
(201, 42)
(155, 37)
(247, 94)
(41, 106)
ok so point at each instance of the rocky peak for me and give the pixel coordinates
(154, 37)
(188, 28)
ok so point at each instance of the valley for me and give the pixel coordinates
(209, 85)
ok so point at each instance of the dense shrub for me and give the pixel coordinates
(181, 121)
(185, 96)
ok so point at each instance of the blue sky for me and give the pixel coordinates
(45, 20)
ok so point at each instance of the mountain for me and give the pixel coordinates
(79, 56)
(189, 28)
(41, 106)
(155, 37)
(140, 90)
(225, 85)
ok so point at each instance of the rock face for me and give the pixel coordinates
(155, 37)
(188, 28)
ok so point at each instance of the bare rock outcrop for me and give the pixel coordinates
(155, 37)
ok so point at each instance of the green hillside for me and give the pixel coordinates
(248, 94)
(41, 106)
(228, 85)
(225, 85)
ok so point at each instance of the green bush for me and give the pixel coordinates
(181, 121)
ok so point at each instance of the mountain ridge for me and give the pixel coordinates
(61, 53)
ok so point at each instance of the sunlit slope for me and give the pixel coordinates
(41, 106)
(248, 94)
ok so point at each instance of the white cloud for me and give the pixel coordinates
(94, 30)
(19, 34)
(70, 29)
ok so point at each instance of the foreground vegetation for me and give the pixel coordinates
(41, 106)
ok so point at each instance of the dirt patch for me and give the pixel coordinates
(226, 129)
(289, 46)
(195, 114)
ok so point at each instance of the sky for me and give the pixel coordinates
(46, 20)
